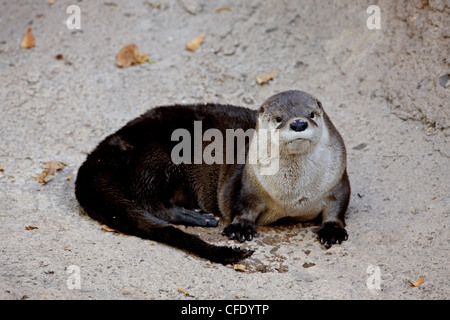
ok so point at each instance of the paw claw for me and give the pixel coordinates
(330, 233)
(241, 232)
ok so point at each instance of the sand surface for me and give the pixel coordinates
(386, 90)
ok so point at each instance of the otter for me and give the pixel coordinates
(289, 161)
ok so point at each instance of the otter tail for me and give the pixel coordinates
(104, 201)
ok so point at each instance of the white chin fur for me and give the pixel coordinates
(298, 140)
(298, 146)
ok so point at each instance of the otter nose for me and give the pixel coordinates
(299, 125)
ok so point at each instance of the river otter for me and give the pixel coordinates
(169, 166)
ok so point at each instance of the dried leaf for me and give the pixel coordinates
(153, 5)
(125, 57)
(140, 57)
(54, 165)
(43, 177)
(30, 228)
(183, 290)
(2, 169)
(50, 169)
(195, 44)
(129, 55)
(419, 282)
(222, 9)
(108, 229)
(239, 267)
(266, 77)
(308, 264)
(28, 40)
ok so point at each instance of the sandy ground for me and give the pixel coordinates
(386, 90)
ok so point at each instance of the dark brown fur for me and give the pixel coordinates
(130, 182)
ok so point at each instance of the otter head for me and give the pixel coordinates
(298, 118)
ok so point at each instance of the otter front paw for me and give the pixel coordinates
(241, 231)
(331, 233)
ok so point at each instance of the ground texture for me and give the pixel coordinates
(386, 90)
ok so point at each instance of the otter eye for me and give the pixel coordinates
(312, 115)
(279, 119)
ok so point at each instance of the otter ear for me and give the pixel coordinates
(262, 109)
(319, 104)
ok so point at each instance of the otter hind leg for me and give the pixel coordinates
(187, 217)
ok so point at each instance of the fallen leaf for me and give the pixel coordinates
(195, 44)
(51, 1)
(108, 229)
(41, 178)
(60, 56)
(239, 267)
(222, 9)
(263, 79)
(183, 290)
(192, 7)
(125, 57)
(30, 228)
(28, 40)
(360, 146)
(129, 55)
(308, 264)
(153, 5)
(419, 282)
(2, 169)
(50, 169)
(140, 56)
(54, 165)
